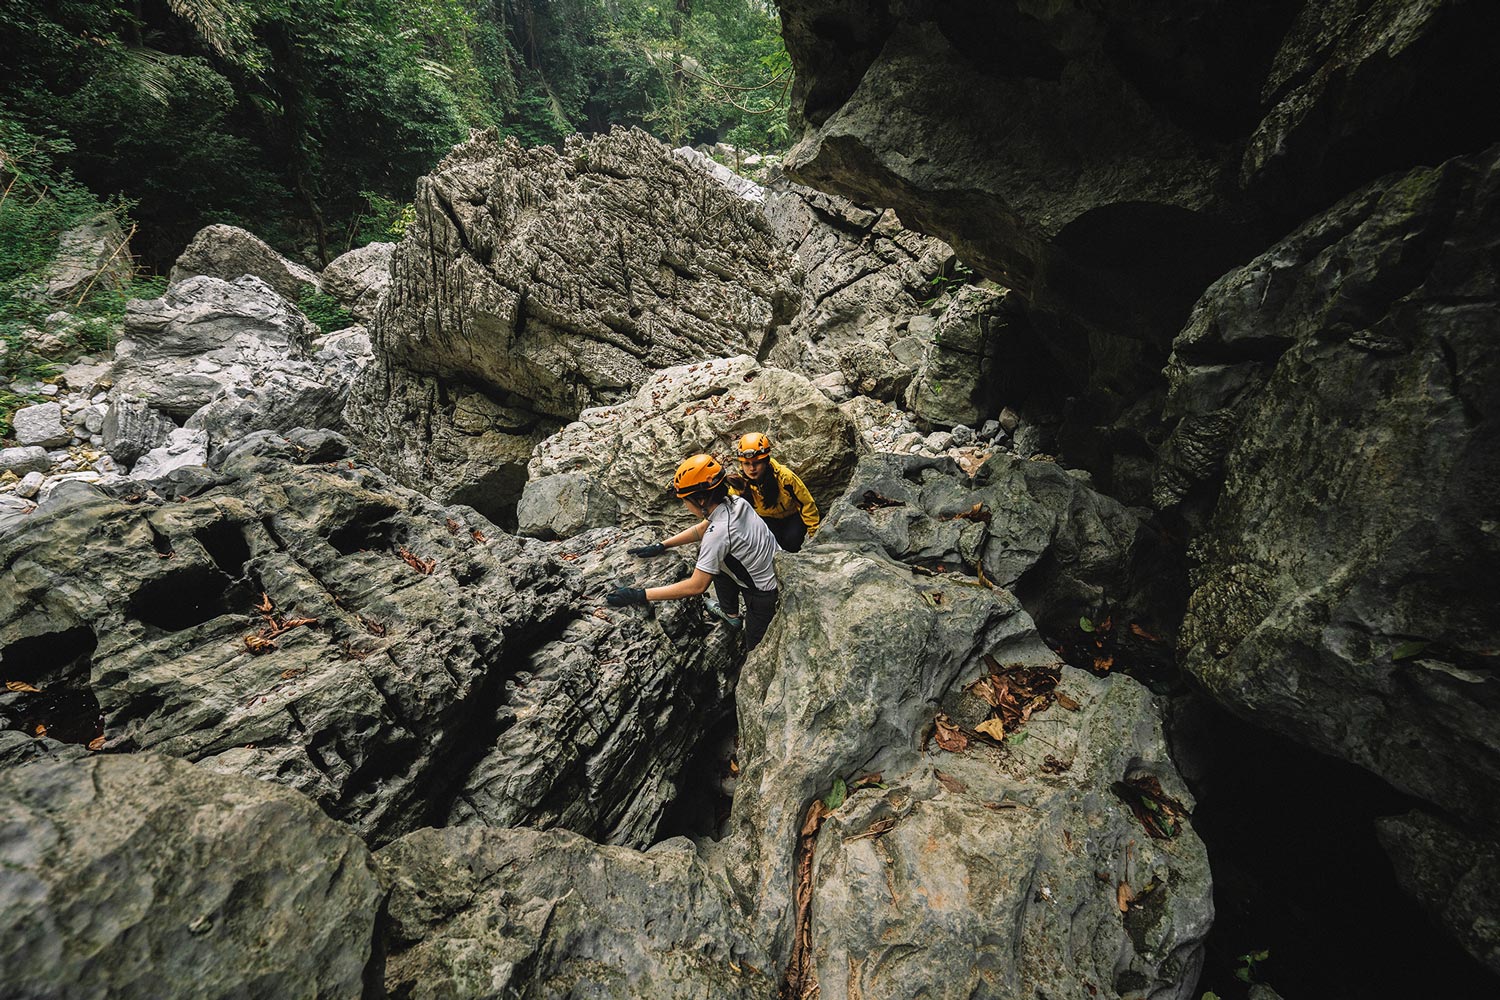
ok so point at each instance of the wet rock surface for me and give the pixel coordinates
(317, 626)
(142, 876)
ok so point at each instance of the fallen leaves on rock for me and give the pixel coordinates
(949, 782)
(1157, 811)
(257, 644)
(453, 526)
(974, 513)
(264, 607)
(874, 830)
(1014, 694)
(993, 728)
(1124, 896)
(871, 500)
(1067, 702)
(423, 566)
(96, 744)
(21, 686)
(478, 535)
(1051, 765)
(39, 731)
(949, 736)
(836, 795)
(372, 626)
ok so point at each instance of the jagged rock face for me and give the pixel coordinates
(143, 877)
(919, 888)
(410, 689)
(1342, 389)
(1452, 874)
(1343, 386)
(224, 358)
(92, 256)
(1031, 118)
(864, 278)
(479, 912)
(1028, 526)
(229, 253)
(535, 284)
(1109, 161)
(630, 451)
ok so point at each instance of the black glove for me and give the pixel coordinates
(622, 596)
(647, 551)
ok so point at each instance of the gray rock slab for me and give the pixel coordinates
(40, 425)
(139, 876)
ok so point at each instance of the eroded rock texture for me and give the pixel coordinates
(1109, 161)
(1342, 388)
(534, 284)
(447, 668)
(140, 876)
(629, 451)
(976, 873)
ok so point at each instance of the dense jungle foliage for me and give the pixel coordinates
(309, 121)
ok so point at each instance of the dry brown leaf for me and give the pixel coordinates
(265, 603)
(734, 766)
(39, 731)
(951, 783)
(865, 781)
(816, 814)
(477, 535)
(453, 526)
(1137, 630)
(1051, 765)
(1103, 663)
(423, 566)
(372, 626)
(985, 688)
(993, 728)
(949, 736)
(292, 623)
(258, 645)
(1124, 896)
(97, 743)
(21, 686)
(569, 556)
(292, 673)
(1067, 702)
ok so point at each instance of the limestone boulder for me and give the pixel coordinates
(1031, 527)
(230, 253)
(40, 426)
(630, 450)
(359, 278)
(298, 618)
(954, 871)
(535, 283)
(140, 876)
(956, 381)
(225, 358)
(1332, 410)
(93, 256)
(1340, 388)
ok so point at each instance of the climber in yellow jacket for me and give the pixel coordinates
(776, 493)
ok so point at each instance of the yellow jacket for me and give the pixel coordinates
(794, 498)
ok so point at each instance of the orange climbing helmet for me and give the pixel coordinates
(697, 474)
(754, 445)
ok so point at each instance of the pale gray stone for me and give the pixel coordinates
(359, 278)
(229, 253)
(32, 458)
(40, 425)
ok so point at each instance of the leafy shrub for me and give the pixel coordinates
(324, 310)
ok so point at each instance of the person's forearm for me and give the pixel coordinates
(675, 591)
(693, 534)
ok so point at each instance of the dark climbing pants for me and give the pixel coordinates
(789, 531)
(760, 607)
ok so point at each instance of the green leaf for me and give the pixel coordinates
(1085, 624)
(1242, 974)
(1016, 739)
(1210, 995)
(836, 797)
(1409, 650)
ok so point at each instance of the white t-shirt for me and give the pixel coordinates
(735, 530)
